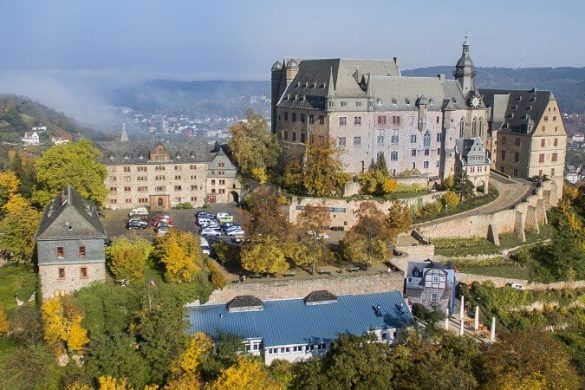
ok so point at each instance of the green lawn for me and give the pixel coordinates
(16, 281)
(503, 271)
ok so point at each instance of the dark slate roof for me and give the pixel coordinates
(286, 322)
(244, 302)
(70, 216)
(319, 297)
(516, 110)
(137, 152)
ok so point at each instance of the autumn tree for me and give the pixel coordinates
(323, 171)
(265, 254)
(127, 259)
(364, 250)
(4, 324)
(450, 200)
(267, 216)
(518, 359)
(180, 253)
(107, 382)
(55, 323)
(77, 338)
(19, 227)
(185, 371)
(76, 164)
(254, 148)
(24, 169)
(216, 275)
(247, 374)
(398, 219)
(292, 177)
(9, 184)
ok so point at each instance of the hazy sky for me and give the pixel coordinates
(240, 39)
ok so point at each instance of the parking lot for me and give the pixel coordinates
(114, 222)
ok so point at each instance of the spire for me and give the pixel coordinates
(330, 84)
(124, 136)
(465, 70)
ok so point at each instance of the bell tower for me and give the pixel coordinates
(464, 70)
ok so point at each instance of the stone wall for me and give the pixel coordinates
(524, 217)
(501, 282)
(342, 210)
(52, 285)
(299, 288)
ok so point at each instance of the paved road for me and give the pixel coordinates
(511, 192)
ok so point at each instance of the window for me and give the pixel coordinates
(556, 142)
(285, 136)
(286, 116)
(542, 143)
(381, 120)
(81, 251)
(294, 116)
(83, 272)
(474, 128)
(303, 137)
(546, 118)
(394, 138)
(61, 273)
(413, 152)
(461, 128)
(177, 177)
(358, 104)
(113, 189)
(504, 140)
(321, 120)
(515, 172)
(503, 154)
(427, 140)
(294, 136)
(517, 141)
(554, 157)
(394, 156)
(380, 137)
(438, 119)
(302, 118)
(342, 121)
(343, 104)
(60, 252)
(541, 158)
(178, 188)
(396, 119)
(427, 152)
(126, 169)
(552, 171)
(413, 138)
(357, 141)
(439, 137)
(412, 120)
(426, 164)
(434, 298)
(311, 119)
(516, 156)
(341, 142)
(435, 279)
(357, 120)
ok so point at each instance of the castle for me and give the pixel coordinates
(433, 126)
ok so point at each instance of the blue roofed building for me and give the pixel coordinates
(297, 329)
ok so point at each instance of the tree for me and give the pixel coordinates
(216, 275)
(520, 355)
(127, 259)
(292, 178)
(30, 367)
(449, 182)
(254, 148)
(19, 227)
(315, 219)
(180, 253)
(4, 324)
(323, 171)
(266, 213)
(398, 220)
(364, 250)
(54, 321)
(9, 184)
(381, 164)
(463, 186)
(390, 186)
(263, 254)
(226, 349)
(188, 364)
(76, 336)
(109, 383)
(247, 374)
(450, 200)
(74, 164)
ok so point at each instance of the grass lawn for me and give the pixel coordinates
(469, 204)
(16, 280)
(504, 271)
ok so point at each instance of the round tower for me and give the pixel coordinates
(464, 70)
(276, 78)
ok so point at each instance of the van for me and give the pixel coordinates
(140, 212)
(205, 248)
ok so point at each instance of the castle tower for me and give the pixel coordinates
(464, 70)
(124, 136)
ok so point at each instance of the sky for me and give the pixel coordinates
(69, 54)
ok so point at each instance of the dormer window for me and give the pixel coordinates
(306, 84)
(394, 101)
(141, 156)
(192, 155)
(379, 102)
(314, 84)
(111, 156)
(126, 156)
(178, 156)
(298, 84)
(407, 101)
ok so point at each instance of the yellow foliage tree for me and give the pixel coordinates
(188, 363)
(390, 186)
(76, 336)
(107, 382)
(264, 254)
(449, 182)
(179, 266)
(9, 183)
(79, 386)
(54, 322)
(4, 324)
(450, 200)
(247, 374)
(184, 382)
(180, 253)
(127, 259)
(259, 174)
(216, 276)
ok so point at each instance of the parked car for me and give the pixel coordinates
(135, 224)
(235, 232)
(141, 212)
(162, 228)
(516, 286)
(231, 227)
(162, 218)
(210, 232)
(201, 213)
(204, 221)
(205, 248)
(224, 217)
(323, 235)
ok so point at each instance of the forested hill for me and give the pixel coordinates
(567, 84)
(18, 114)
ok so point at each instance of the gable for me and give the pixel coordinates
(70, 224)
(159, 153)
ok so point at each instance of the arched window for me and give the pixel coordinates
(481, 127)
(461, 128)
(427, 139)
(474, 128)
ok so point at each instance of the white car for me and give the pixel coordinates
(235, 232)
(224, 217)
(210, 232)
(205, 246)
(516, 286)
(313, 234)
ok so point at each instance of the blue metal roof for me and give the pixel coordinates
(287, 322)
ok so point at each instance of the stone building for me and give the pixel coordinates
(528, 134)
(70, 245)
(368, 108)
(431, 284)
(162, 175)
(472, 158)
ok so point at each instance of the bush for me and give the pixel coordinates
(185, 205)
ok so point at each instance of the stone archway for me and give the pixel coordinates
(480, 186)
(235, 197)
